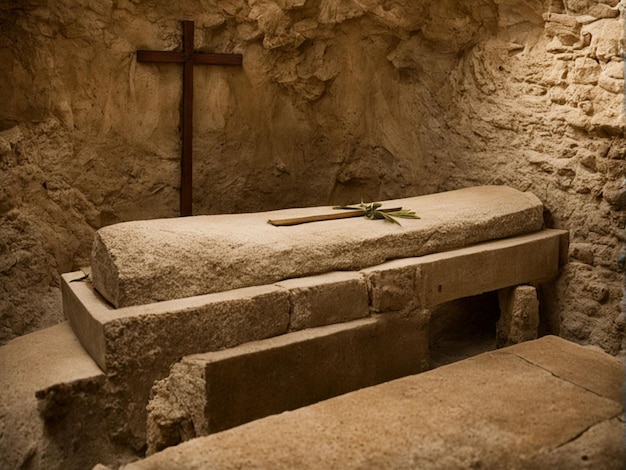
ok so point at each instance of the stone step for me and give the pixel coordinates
(541, 404)
(211, 392)
(51, 403)
(143, 262)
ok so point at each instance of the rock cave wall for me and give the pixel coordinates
(337, 101)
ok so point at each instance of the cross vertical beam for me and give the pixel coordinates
(188, 58)
(186, 162)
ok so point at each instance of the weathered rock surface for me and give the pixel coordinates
(335, 102)
(541, 403)
(519, 315)
(137, 263)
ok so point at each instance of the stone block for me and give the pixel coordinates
(144, 262)
(207, 393)
(519, 315)
(170, 330)
(496, 410)
(137, 345)
(326, 299)
(606, 39)
(563, 27)
(409, 284)
(586, 71)
(392, 286)
(611, 84)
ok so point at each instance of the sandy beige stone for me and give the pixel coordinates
(49, 385)
(587, 367)
(169, 330)
(143, 262)
(326, 299)
(208, 393)
(213, 321)
(413, 283)
(519, 315)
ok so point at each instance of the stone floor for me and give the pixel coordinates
(542, 404)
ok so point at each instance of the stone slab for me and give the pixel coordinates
(170, 330)
(430, 280)
(143, 262)
(326, 299)
(574, 363)
(496, 410)
(219, 390)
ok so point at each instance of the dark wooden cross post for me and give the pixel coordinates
(188, 58)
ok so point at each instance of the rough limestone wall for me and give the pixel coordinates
(540, 106)
(337, 100)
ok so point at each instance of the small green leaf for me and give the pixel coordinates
(371, 212)
(389, 218)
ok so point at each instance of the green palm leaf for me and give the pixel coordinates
(372, 212)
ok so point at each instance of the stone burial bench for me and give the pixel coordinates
(165, 289)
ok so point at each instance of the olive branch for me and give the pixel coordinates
(372, 212)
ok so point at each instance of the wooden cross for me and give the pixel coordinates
(188, 58)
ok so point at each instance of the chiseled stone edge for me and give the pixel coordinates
(211, 392)
(326, 299)
(425, 281)
(49, 384)
(117, 337)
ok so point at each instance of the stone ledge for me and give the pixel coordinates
(496, 410)
(326, 299)
(49, 384)
(172, 329)
(416, 283)
(113, 336)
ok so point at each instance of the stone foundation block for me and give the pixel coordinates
(519, 315)
(207, 393)
(537, 405)
(170, 330)
(326, 299)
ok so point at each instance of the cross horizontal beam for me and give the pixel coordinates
(180, 57)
